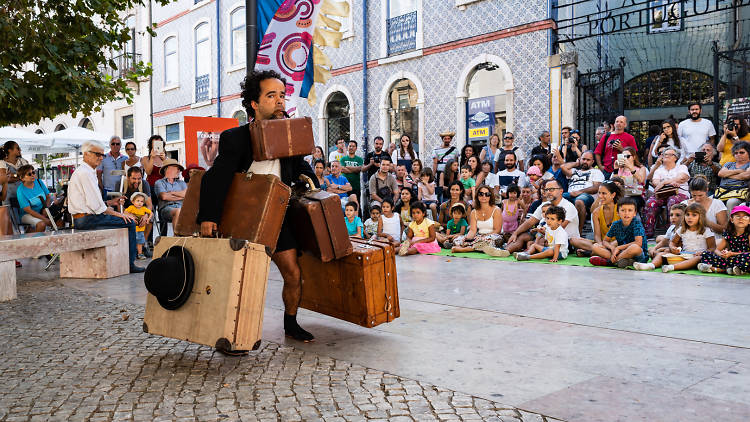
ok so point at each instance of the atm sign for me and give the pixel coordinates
(479, 132)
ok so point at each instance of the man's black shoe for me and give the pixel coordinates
(137, 269)
(293, 330)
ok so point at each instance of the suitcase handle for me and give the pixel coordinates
(305, 178)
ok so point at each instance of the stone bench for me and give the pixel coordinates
(83, 254)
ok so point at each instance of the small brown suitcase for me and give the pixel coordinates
(280, 138)
(360, 288)
(252, 199)
(225, 308)
(318, 219)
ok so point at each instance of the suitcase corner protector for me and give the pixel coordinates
(145, 327)
(237, 244)
(223, 344)
(256, 346)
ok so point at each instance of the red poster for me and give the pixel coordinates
(202, 138)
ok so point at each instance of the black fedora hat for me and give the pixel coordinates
(170, 278)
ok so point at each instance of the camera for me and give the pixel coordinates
(700, 156)
(730, 125)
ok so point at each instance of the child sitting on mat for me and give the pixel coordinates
(625, 242)
(371, 224)
(662, 241)
(353, 222)
(390, 226)
(457, 226)
(556, 239)
(732, 255)
(420, 235)
(690, 240)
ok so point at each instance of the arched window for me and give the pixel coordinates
(402, 111)
(171, 71)
(39, 131)
(668, 88)
(59, 127)
(241, 116)
(202, 60)
(237, 36)
(486, 111)
(337, 119)
(86, 123)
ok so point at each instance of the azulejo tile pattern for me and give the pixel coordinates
(526, 55)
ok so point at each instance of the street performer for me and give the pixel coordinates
(263, 96)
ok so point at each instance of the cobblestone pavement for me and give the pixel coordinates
(68, 356)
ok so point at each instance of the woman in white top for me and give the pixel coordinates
(485, 225)
(668, 137)
(404, 154)
(716, 212)
(666, 173)
(133, 160)
(491, 149)
(10, 162)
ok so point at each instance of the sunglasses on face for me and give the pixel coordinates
(627, 156)
(487, 194)
(31, 173)
(550, 189)
(114, 144)
(508, 137)
(129, 149)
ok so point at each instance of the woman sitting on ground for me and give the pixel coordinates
(602, 217)
(669, 177)
(455, 196)
(485, 225)
(716, 212)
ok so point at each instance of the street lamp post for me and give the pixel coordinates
(251, 34)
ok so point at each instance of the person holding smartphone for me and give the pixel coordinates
(611, 144)
(735, 130)
(153, 162)
(667, 137)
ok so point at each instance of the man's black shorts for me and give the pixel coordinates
(286, 237)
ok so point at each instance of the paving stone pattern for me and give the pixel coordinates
(68, 356)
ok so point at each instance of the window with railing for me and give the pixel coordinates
(401, 26)
(202, 59)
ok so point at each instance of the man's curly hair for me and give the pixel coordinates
(251, 87)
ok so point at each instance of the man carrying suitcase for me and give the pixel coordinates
(263, 96)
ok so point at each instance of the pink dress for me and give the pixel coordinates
(510, 218)
(422, 231)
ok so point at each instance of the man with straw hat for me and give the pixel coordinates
(170, 190)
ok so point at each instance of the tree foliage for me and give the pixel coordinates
(53, 54)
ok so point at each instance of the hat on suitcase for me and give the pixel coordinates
(170, 278)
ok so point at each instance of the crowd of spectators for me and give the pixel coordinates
(483, 200)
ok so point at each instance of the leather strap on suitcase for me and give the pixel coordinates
(389, 289)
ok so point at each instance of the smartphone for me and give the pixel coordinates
(158, 146)
(700, 156)
(621, 158)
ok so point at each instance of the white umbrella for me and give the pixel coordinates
(10, 133)
(74, 137)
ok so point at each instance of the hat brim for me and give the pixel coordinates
(444, 134)
(163, 169)
(185, 262)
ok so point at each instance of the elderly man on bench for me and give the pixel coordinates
(88, 209)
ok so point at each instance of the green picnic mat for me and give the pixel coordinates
(570, 260)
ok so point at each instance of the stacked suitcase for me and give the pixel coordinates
(347, 279)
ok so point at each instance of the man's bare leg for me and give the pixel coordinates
(291, 294)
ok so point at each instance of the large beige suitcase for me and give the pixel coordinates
(225, 308)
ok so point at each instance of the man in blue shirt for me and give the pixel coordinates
(170, 190)
(339, 184)
(112, 162)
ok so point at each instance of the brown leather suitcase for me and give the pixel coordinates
(280, 138)
(319, 220)
(225, 308)
(253, 210)
(360, 288)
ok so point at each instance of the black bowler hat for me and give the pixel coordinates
(170, 278)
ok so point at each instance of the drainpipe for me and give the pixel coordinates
(218, 59)
(151, 79)
(365, 145)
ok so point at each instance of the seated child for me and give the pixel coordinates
(513, 211)
(527, 197)
(139, 210)
(675, 220)
(535, 177)
(537, 233)
(389, 224)
(555, 236)
(426, 191)
(456, 226)
(353, 222)
(371, 224)
(732, 255)
(420, 235)
(691, 239)
(625, 242)
(469, 184)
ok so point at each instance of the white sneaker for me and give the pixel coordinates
(705, 268)
(521, 256)
(667, 268)
(737, 271)
(493, 251)
(643, 266)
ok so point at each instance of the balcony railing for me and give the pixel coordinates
(125, 65)
(201, 88)
(402, 33)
